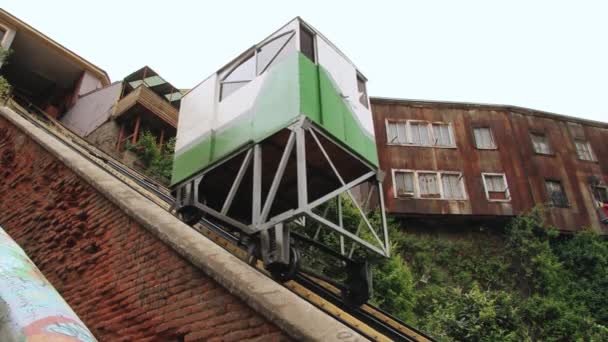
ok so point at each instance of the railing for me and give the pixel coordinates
(151, 101)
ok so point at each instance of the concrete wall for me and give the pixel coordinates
(92, 110)
(30, 308)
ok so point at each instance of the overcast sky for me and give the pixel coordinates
(548, 55)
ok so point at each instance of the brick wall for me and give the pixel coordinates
(124, 283)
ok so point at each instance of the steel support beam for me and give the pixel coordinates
(277, 178)
(237, 183)
(256, 204)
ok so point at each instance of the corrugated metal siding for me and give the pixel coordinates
(525, 170)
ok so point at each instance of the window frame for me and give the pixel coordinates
(429, 128)
(438, 175)
(253, 52)
(595, 188)
(547, 140)
(396, 192)
(494, 144)
(485, 186)
(312, 33)
(363, 80)
(550, 198)
(589, 148)
(450, 134)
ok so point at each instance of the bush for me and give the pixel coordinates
(5, 87)
(157, 163)
(530, 284)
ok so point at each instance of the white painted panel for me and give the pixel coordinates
(89, 83)
(197, 113)
(9, 35)
(92, 110)
(292, 25)
(238, 102)
(345, 75)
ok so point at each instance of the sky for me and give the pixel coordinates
(547, 55)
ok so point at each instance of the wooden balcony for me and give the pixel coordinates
(148, 99)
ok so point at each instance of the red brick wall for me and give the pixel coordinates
(124, 283)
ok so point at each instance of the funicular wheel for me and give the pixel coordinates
(358, 284)
(283, 272)
(190, 215)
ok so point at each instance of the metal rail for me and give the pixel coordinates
(369, 320)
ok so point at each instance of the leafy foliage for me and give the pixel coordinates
(157, 162)
(5, 87)
(526, 284)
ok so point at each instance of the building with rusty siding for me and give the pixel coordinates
(490, 162)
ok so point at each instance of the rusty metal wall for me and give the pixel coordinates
(525, 170)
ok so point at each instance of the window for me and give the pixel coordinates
(556, 194)
(442, 135)
(272, 51)
(362, 91)
(428, 185)
(483, 138)
(307, 43)
(404, 183)
(420, 133)
(266, 55)
(496, 187)
(600, 193)
(397, 132)
(452, 186)
(448, 185)
(238, 77)
(541, 143)
(583, 150)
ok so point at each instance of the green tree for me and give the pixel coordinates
(5, 87)
(158, 163)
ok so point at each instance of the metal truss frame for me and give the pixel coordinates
(187, 195)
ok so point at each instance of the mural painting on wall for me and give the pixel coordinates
(35, 310)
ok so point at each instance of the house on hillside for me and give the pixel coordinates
(117, 114)
(44, 75)
(48, 78)
(451, 164)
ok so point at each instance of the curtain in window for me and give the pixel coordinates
(404, 182)
(452, 187)
(495, 183)
(442, 135)
(428, 184)
(420, 133)
(483, 138)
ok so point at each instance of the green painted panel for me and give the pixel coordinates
(332, 106)
(293, 87)
(191, 160)
(278, 102)
(310, 102)
(338, 118)
(235, 134)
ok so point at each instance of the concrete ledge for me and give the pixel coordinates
(294, 315)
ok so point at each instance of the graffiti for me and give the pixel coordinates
(36, 311)
(72, 329)
(57, 328)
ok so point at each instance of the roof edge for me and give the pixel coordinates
(105, 79)
(489, 106)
